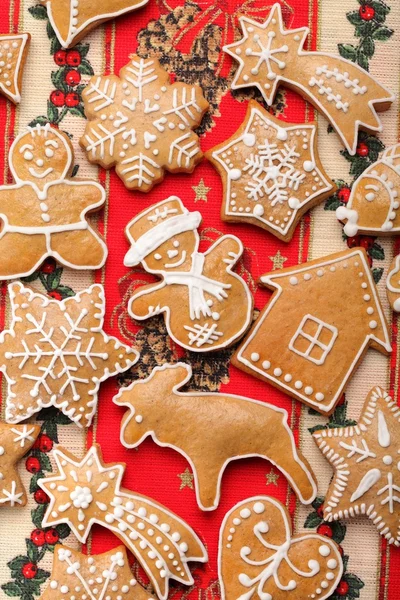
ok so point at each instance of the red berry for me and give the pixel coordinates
(37, 537)
(362, 149)
(367, 12)
(342, 588)
(342, 400)
(74, 59)
(73, 77)
(29, 570)
(49, 266)
(341, 550)
(51, 536)
(41, 497)
(45, 443)
(344, 194)
(32, 464)
(352, 242)
(60, 57)
(320, 511)
(72, 99)
(325, 530)
(57, 98)
(369, 259)
(56, 295)
(366, 242)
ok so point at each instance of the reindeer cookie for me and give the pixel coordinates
(259, 558)
(206, 305)
(45, 213)
(239, 428)
(269, 55)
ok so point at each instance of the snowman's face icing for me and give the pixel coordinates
(173, 255)
(41, 156)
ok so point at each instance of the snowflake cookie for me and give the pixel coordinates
(13, 53)
(88, 491)
(142, 123)
(45, 212)
(304, 342)
(269, 55)
(206, 305)
(271, 172)
(393, 284)
(57, 354)
(258, 558)
(71, 20)
(106, 575)
(15, 442)
(240, 427)
(365, 458)
(373, 206)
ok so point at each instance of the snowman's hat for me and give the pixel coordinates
(157, 224)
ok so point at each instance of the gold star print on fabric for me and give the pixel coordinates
(57, 354)
(201, 191)
(106, 575)
(15, 442)
(186, 479)
(277, 261)
(366, 460)
(272, 478)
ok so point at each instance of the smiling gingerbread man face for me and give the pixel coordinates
(41, 155)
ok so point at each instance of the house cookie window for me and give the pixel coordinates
(313, 339)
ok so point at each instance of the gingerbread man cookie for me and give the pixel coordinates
(393, 284)
(269, 55)
(239, 428)
(15, 442)
(373, 206)
(259, 558)
(142, 123)
(45, 212)
(271, 172)
(57, 354)
(365, 458)
(71, 20)
(107, 575)
(304, 342)
(206, 305)
(88, 491)
(13, 53)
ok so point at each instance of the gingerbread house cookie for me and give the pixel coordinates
(271, 172)
(206, 305)
(13, 53)
(304, 342)
(373, 206)
(269, 55)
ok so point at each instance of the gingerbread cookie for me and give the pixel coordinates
(206, 305)
(259, 558)
(239, 428)
(374, 200)
(269, 55)
(45, 212)
(13, 53)
(71, 20)
(393, 284)
(57, 354)
(271, 172)
(142, 123)
(87, 491)
(365, 458)
(15, 442)
(106, 575)
(304, 342)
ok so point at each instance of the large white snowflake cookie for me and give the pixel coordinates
(271, 172)
(57, 354)
(142, 124)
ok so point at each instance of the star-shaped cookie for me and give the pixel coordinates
(366, 460)
(57, 354)
(15, 442)
(105, 575)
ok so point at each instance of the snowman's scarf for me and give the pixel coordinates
(197, 284)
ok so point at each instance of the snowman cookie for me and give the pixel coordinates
(44, 213)
(206, 305)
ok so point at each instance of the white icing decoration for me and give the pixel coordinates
(383, 431)
(5, 86)
(323, 329)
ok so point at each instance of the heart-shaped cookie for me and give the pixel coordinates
(258, 557)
